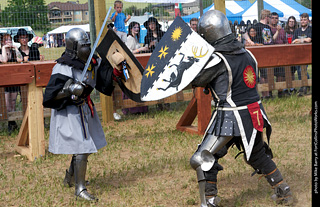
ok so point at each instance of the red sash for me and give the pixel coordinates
(256, 116)
(90, 104)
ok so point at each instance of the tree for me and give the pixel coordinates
(32, 13)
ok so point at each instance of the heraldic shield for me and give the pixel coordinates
(176, 61)
(131, 83)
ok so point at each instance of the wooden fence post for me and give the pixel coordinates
(199, 105)
(31, 135)
(106, 101)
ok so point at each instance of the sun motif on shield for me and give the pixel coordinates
(176, 34)
(249, 76)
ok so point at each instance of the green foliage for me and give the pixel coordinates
(26, 13)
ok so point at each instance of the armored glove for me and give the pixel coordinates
(71, 88)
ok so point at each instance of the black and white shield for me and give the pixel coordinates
(110, 44)
(176, 61)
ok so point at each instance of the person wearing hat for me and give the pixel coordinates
(154, 33)
(28, 53)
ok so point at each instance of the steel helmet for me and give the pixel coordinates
(78, 44)
(213, 25)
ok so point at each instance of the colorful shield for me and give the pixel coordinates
(175, 62)
(110, 44)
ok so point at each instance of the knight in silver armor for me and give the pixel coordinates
(232, 122)
(75, 127)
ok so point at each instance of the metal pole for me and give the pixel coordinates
(201, 8)
(92, 22)
(260, 8)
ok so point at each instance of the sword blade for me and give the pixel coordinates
(94, 47)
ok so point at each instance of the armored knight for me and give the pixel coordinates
(239, 116)
(75, 127)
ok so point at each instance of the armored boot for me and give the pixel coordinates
(282, 193)
(211, 194)
(80, 168)
(69, 178)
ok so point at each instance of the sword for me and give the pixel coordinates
(94, 48)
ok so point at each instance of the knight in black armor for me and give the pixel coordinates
(239, 116)
(75, 127)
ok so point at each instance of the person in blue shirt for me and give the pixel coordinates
(119, 20)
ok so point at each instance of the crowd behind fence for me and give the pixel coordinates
(51, 22)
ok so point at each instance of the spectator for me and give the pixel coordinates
(28, 53)
(194, 24)
(119, 20)
(290, 27)
(154, 33)
(279, 37)
(44, 40)
(51, 41)
(133, 38)
(304, 33)
(253, 37)
(134, 45)
(10, 53)
(264, 36)
(264, 33)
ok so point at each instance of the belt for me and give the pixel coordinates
(234, 108)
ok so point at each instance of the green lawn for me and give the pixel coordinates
(146, 163)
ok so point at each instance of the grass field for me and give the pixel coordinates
(146, 163)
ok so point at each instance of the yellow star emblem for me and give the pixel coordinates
(163, 52)
(150, 70)
(176, 34)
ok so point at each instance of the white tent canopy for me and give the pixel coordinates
(161, 1)
(66, 28)
(285, 9)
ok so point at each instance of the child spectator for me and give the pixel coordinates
(119, 20)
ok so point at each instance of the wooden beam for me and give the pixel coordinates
(220, 5)
(43, 70)
(30, 140)
(106, 101)
(16, 74)
(282, 55)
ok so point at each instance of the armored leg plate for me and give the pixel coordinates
(204, 155)
(80, 168)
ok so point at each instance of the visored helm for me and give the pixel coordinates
(78, 44)
(213, 25)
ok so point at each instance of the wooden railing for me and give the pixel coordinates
(35, 75)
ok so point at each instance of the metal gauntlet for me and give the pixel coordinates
(71, 88)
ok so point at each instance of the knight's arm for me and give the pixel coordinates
(105, 76)
(213, 69)
(60, 88)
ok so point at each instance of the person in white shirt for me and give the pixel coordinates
(133, 38)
